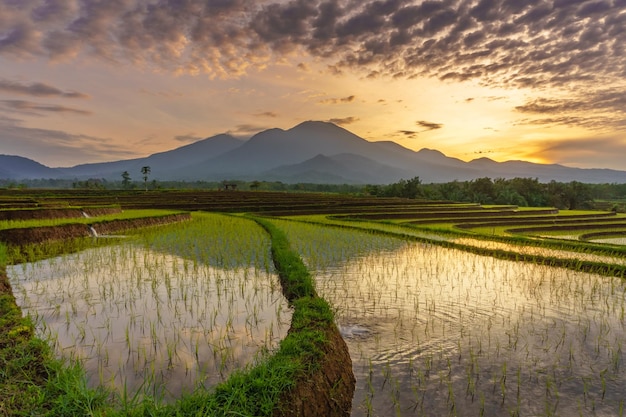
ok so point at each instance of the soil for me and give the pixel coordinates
(329, 391)
(34, 235)
(66, 213)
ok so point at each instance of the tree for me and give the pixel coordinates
(145, 171)
(125, 180)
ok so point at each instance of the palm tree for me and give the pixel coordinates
(145, 171)
(125, 180)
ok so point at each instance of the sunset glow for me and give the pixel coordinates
(90, 81)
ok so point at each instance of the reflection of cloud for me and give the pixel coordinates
(37, 90)
(28, 107)
(348, 99)
(344, 121)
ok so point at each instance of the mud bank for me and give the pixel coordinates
(329, 389)
(66, 213)
(34, 235)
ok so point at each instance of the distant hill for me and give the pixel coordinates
(316, 152)
(16, 167)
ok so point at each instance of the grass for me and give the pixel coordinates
(34, 382)
(125, 215)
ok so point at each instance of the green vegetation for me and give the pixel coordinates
(332, 234)
(123, 215)
(259, 390)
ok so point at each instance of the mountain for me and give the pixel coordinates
(338, 169)
(312, 151)
(275, 147)
(547, 172)
(163, 165)
(16, 167)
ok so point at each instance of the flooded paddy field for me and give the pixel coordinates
(435, 331)
(162, 314)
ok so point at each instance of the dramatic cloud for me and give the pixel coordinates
(37, 90)
(542, 45)
(598, 109)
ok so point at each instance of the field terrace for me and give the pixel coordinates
(549, 237)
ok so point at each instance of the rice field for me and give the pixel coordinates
(435, 331)
(162, 315)
(433, 326)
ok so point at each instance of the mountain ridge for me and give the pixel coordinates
(311, 151)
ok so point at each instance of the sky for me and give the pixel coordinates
(85, 81)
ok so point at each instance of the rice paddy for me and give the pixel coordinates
(434, 327)
(435, 331)
(141, 319)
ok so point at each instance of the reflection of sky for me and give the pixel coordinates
(420, 319)
(95, 81)
(547, 252)
(149, 320)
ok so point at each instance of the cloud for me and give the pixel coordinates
(56, 147)
(411, 134)
(344, 121)
(583, 152)
(188, 138)
(428, 125)
(569, 45)
(246, 130)
(37, 90)
(580, 109)
(342, 100)
(270, 114)
(28, 107)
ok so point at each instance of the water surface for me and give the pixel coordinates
(142, 320)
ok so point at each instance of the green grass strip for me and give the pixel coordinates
(33, 382)
(573, 264)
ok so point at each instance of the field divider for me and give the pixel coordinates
(580, 265)
(325, 384)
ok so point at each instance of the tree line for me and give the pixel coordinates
(523, 192)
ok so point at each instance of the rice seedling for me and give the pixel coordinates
(180, 309)
(481, 335)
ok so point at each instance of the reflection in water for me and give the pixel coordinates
(541, 251)
(157, 323)
(434, 331)
(611, 240)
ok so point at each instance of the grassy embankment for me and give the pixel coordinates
(34, 382)
(410, 232)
